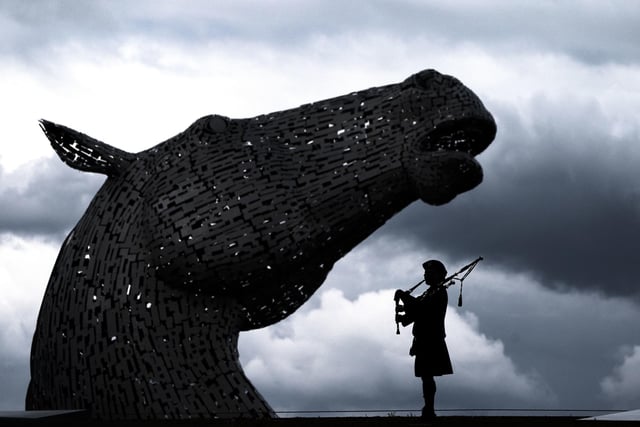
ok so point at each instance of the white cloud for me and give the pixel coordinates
(622, 386)
(345, 354)
(139, 90)
(338, 352)
(24, 273)
(145, 92)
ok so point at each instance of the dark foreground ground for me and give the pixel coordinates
(79, 419)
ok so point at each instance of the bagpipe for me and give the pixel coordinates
(448, 281)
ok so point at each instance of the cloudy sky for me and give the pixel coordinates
(551, 315)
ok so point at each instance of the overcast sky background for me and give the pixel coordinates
(551, 317)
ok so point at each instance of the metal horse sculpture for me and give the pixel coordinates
(229, 226)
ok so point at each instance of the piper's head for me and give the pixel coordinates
(434, 272)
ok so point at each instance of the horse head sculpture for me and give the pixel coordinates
(230, 226)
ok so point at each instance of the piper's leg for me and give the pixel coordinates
(429, 394)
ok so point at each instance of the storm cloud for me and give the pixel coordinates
(593, 32)
(43, 199)
(560, 200)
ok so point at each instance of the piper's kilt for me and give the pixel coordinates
(432, 359)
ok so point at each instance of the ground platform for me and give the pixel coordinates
(51, 418)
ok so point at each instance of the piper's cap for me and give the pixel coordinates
(436, 266)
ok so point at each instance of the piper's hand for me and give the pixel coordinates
(399, 293)
(403, 319)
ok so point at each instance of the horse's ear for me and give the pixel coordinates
(85, 153)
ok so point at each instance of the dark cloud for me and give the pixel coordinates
(14, 377)
(31, 26)
(597, 32)
(560, 200)
(46, 198)
(552, 334)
